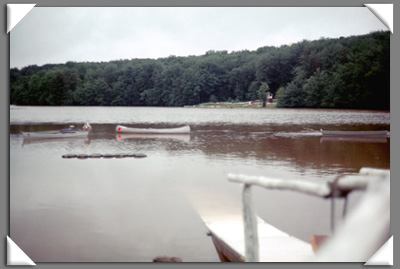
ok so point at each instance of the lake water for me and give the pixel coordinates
(134, 209)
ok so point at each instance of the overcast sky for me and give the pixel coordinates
(99, 34)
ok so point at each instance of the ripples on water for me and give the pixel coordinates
(135, 209)
(193, 116)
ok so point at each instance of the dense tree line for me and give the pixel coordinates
(352, 72)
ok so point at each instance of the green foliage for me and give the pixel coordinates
(279, 92)
(262, 92)
(346, 73)
(351, 72)
(253, 89)
(213, 99)
(294, 95)
(317, 89)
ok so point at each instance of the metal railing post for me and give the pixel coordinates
(376, 182)
(250, 226)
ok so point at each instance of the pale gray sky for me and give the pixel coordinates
(99, 34)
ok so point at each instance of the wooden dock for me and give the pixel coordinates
(274, 244)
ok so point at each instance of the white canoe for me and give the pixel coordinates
(65, 133)
(354, 133)
(176, 137)
(179, 130)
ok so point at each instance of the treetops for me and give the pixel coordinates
(352, 72)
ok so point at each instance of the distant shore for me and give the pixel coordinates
(247, 104)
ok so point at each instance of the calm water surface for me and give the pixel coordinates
(132, 210)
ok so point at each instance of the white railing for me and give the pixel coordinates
(376, 182)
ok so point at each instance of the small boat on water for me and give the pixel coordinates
(354, 139)
(179, 130)
(355, 133)
(71, 132)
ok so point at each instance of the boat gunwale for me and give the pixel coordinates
(56, 134)
(225, 252)
(132, 130)
(379, 133)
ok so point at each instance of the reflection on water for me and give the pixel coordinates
(356, 139)
(154, 117)
(130, 209)
(154, 137)
(306, 150)
(56, 141)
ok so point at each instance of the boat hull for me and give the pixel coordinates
(225, 252)
(58, 134)
(130, 130)
(355, 133)
(355, 139)
(176, 137)
(274, 245)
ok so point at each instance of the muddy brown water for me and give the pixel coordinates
(135, 209)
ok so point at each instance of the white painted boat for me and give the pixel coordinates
(64, 133)
(176, 137)
(59, 134)
(354, 133)
(179, 130)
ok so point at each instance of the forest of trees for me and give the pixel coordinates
(351, 72)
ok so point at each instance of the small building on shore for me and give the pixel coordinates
(269, 97)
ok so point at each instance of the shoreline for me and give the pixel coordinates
(235, 105)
